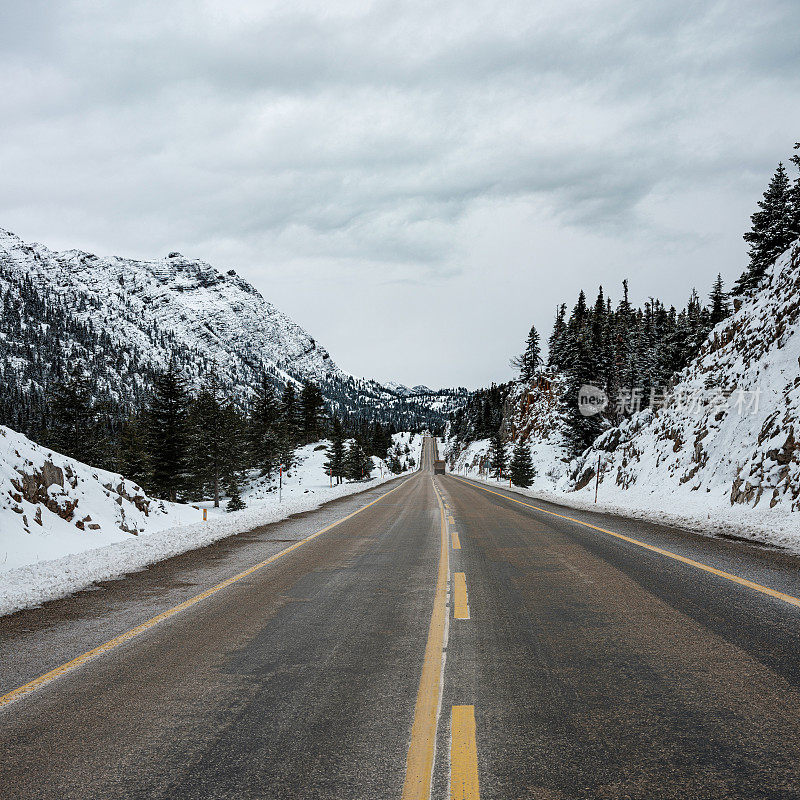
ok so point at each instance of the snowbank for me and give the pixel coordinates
(51, 505)
(689, 512)
(706, 512)
(46, 561)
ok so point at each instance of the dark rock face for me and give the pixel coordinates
(34, 488)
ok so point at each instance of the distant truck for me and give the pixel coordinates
(438, 466)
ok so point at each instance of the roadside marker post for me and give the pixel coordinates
(597, 479)
(205, 515)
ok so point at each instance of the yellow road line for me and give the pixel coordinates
(456, 541)
(460, 606)
(53, 674)
(422, 748)
(451, 520)
(463, 755)
(787, 598)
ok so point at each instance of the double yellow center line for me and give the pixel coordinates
(422, 748)
(463, 745)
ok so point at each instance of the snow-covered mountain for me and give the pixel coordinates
(127, 319)
(220, 316)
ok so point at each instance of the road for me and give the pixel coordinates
(432, 637)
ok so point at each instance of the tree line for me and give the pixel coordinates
(775, 226)
(629, 353)
(194, 446)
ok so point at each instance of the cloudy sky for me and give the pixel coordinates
(415, 183)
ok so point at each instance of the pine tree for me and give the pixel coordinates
(497, 454)
(381, 440)
(720, 305)
(168, 434)
(598, 334)
(528, 363)
(132, 455)
(522, 471)
(396, 459)
(235, 502)
(581, 430)
(262, 429)
(312, 409)
(72, 417)
(555, 354)
(335, 464)
(794, 197)
(214, 442)
(623, 341)
(771, 232)
(358, 464)
(289, 426)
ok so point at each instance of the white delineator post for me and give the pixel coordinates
(597, 479)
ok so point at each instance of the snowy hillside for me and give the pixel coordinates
(128, 319)
(729, 429)
(51, 505)
(722, 453)
(531, 412)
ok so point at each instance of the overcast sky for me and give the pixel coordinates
(414, 183)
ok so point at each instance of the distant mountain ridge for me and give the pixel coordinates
(127, 319)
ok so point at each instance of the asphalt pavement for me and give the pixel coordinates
(432, 637)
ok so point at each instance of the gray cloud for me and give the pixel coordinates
(370, 152)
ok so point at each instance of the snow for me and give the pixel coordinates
(219, 317)
(183, 310)
(31, 531)
(41, 562)
(723, 453)
(694, 513)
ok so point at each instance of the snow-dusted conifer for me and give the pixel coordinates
(335, 464)
(771, 232)
(522, 471)
(528, 363)
(168, 434)
(498, 456)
